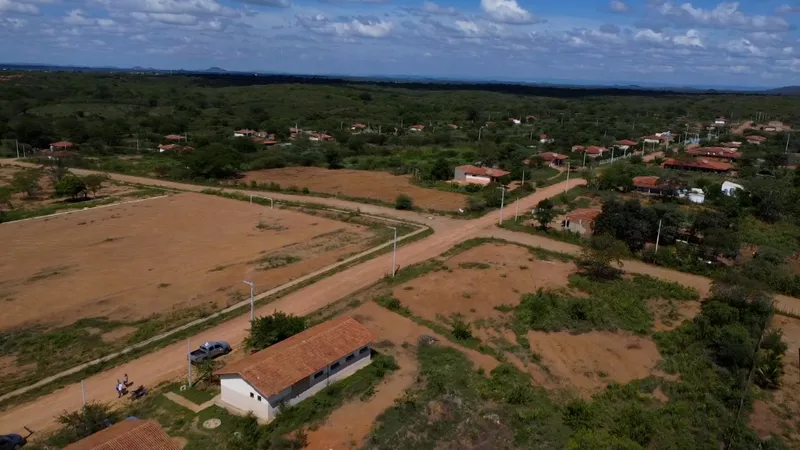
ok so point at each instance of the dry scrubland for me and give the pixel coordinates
(381, 186)
(121, 273)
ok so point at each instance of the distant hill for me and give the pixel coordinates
(215, 70)
(785, 90)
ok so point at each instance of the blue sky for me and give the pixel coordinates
(703, 42)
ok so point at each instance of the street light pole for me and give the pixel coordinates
(502, 202)
(658, 236)
(567, 185)
(189, 359)
(394, 252)
(252, 300)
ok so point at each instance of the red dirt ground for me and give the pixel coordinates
(474, 293)
(130, 261)
(350, 424)
(359, 183)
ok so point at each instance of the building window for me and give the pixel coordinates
(319, 374)
(363, 350)
(252, 395)
(350, 357)
(335, 365)
(259, 398)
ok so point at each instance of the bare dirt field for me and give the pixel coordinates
(159, 256)
(359, 183)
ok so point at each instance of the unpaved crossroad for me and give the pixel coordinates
(170, 362)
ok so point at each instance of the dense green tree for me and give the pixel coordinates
(404, 202)
(94, 182)
(214, 161)
(90, 419)
(599, 257)
(71, 186)
(544, 213)
(441, 170)
(26, 181)
(268, 330)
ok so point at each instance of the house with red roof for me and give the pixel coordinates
(757, 140)
(61, 145)
(416, 128)
(715, 152)
(175, 137)
(554, 159)
(167, 148)
(650, 185)
(702, 165)
(544, 139)
(626, 144)
(296, 368)
(128, 434)
(358, 127)
(320, 137)
(581, 221)
(478, 175)
(244, 133)
(594, 151)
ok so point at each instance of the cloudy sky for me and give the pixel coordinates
(705, 42)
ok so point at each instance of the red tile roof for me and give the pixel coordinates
(715, 152)
(453, 126)
(283, 364)
(360, 126)
(483, 171)
(756, 138)
(130, 434)
(323, 136)
(578, 148)
(542, 136)
(626, 142)
(698, 164)
(417, 127)
(583, 214)
(646, 182)
(174, 137)
(550, 156)
(61, 144)
(245, 131)
(595, 150)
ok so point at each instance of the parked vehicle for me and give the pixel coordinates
(209, 350)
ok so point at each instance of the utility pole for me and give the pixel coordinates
(502, 202)
(17, 142)
(566, 186)
(787, 142)
(188, 351)
(252, 301)
(83, 393)
(516, 210)
(584, 157)
(658, 236)
(394, 252)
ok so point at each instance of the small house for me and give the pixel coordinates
(175, 137)
(715, 152)
(730, 189)
(416, 128)
(720, 121)
(594, 151)
(295, 369)
(649, 185)
(478, 175)
(652, 139)
(320, 137)
(544, 139)
(244, 133)
(757, 140)
(554, 159)
(453, 126)
(358, 127)
(128, 434)
(581, 221)
(514, 121)
(61, 145)
(625, 144)
(700, 165)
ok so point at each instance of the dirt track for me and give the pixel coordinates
(169, 362)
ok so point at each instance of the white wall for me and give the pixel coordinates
(236, 393)
(332, 377)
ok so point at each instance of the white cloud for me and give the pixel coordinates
(724, 15)
(618, 6)
(11, 6)
(506, 11)
(783, 9)
(433, 8)
(690, 39)
(274, 3)
(166, 18)
(355, 27)
(12, 23)
(194, 7)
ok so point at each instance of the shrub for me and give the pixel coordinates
(461, 330)
(403, 202)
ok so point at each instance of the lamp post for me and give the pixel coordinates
(394, 252)
(252, 300)
(502, 202)
(566, 186)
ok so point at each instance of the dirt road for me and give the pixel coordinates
(170, 362)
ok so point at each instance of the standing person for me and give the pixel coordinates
(125, 379)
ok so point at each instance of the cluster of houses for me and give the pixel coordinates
(259, 137)
(174, 144)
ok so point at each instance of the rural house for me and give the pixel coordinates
(358, 127)
(580, 221)
(720, 121)
(554, 159)
(296, 368)
(625, 144)
(320, 137)
(594, 151)
(701, 165)
(544, 139)
(478, 175)
(129, 434)
(755, 139)
(416, 128)
(649, 185)
(175, 137)
(715, 152)
(61, 145)
(244, 133)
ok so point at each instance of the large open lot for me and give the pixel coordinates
(131, 261)
(78, 285)
(381, 186)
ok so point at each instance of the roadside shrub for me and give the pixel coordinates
(403, 202)
(306, 191)
(461, 330)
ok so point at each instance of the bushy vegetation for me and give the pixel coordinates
(271, 329)
(613, 305)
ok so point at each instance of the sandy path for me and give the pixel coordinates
(170, 362)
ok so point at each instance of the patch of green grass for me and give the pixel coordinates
(611, 305)
(783, 236)
(197, 394)
(275, 261)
